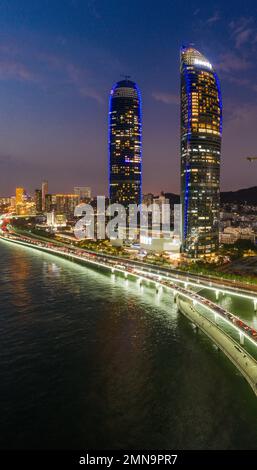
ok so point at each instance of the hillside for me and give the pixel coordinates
(248, 195)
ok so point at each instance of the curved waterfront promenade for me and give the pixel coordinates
(245, 363)
(187, 301)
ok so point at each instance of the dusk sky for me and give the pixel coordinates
(59, 60)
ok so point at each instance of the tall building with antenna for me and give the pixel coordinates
(201, 131)
(125, 143)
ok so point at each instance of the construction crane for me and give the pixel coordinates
(251, 159)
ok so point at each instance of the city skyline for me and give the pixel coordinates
(55, 89)
(128, 231)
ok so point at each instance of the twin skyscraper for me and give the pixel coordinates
(201, 130)
(125, 144)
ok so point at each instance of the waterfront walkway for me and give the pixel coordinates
(244, 362)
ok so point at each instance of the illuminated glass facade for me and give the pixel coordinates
(125, 132)
(20, 195)
(62, 203)
(201, 129)
(38, 200)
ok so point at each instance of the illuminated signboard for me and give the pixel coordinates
(203, 62)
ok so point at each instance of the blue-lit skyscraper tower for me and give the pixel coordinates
(201, 129)
(125, 144)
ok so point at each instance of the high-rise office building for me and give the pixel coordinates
(44, 192)
(65, 203)
(13, 202)
(49, 202)
(201, 129)
(5, 201)
(24, 205)
(125, 144)
(38, 200)
(84, 192)
(20, 196)
(62, 203)
(148, 199)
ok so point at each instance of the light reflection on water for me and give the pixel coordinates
(93, 360)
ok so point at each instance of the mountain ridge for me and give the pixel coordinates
(244, 195)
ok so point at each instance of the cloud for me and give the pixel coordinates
(242, 82)
(235, 70)
(240, 24)
(15, 71)
(93, 9)
(167, 98)
(243, 31)
(47, 69)
(232, 62)
(243, 37)
(239, 81)
(91, 93)
(197, 10)
(76, 76)
(242, 116)
(214, 18)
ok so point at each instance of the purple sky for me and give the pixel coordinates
(59, 60)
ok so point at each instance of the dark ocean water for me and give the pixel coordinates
(89, 360)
